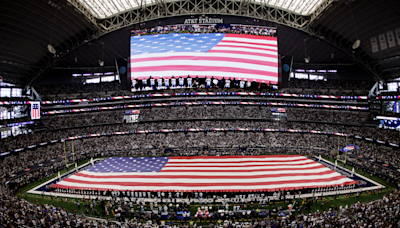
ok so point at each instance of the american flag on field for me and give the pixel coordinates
(219, 55)
(35, 110)
(225, 173)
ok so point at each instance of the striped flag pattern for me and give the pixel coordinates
(35, 110)
(206, 173)
(219, 55)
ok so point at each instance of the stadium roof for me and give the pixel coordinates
(106, 8)
(325, 30)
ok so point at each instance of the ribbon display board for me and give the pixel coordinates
(204, 103)
(203, 94)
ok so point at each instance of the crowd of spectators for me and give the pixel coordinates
(336, 116)
(382, 213)
(205, 112)
(17, 212)
(83, 119)
(38, 137)
(33, 214)
(233, 111)
(332, 84)
(77, 89)
(211, 139)
(24, 140)
(11, 206)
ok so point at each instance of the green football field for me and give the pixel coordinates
(70, 204)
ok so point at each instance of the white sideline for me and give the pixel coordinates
(33, 190)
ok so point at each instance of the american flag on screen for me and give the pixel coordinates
(227, 173)
(35, 110)
(216, 54)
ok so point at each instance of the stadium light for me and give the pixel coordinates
(356, 44)
(51, 49)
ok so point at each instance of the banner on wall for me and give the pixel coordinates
(374, 44)
(391, 40)
(194, 94)
(398, 36)
(348, 148)
(205, 103)
(35, 110)
(278, 110)
(132, 112)
(382, 42)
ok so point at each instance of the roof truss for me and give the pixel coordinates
(257, 9)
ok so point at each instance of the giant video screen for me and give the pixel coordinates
(220, 55)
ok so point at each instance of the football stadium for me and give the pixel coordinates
(200, 113)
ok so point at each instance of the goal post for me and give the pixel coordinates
(338, 151)
(65, 154)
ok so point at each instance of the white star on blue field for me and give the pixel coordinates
(174, 43)
(129, 164)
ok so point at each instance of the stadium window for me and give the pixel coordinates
(107, 79)
(18, 111)
(117, 77)
(92, 80)
(291, 75)
(5, 133)
(316, 77)
(301, 76)
(393, 86)
(16, 130)
(16, 92)
(313, 77)
(5, 92)
(3, 114)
